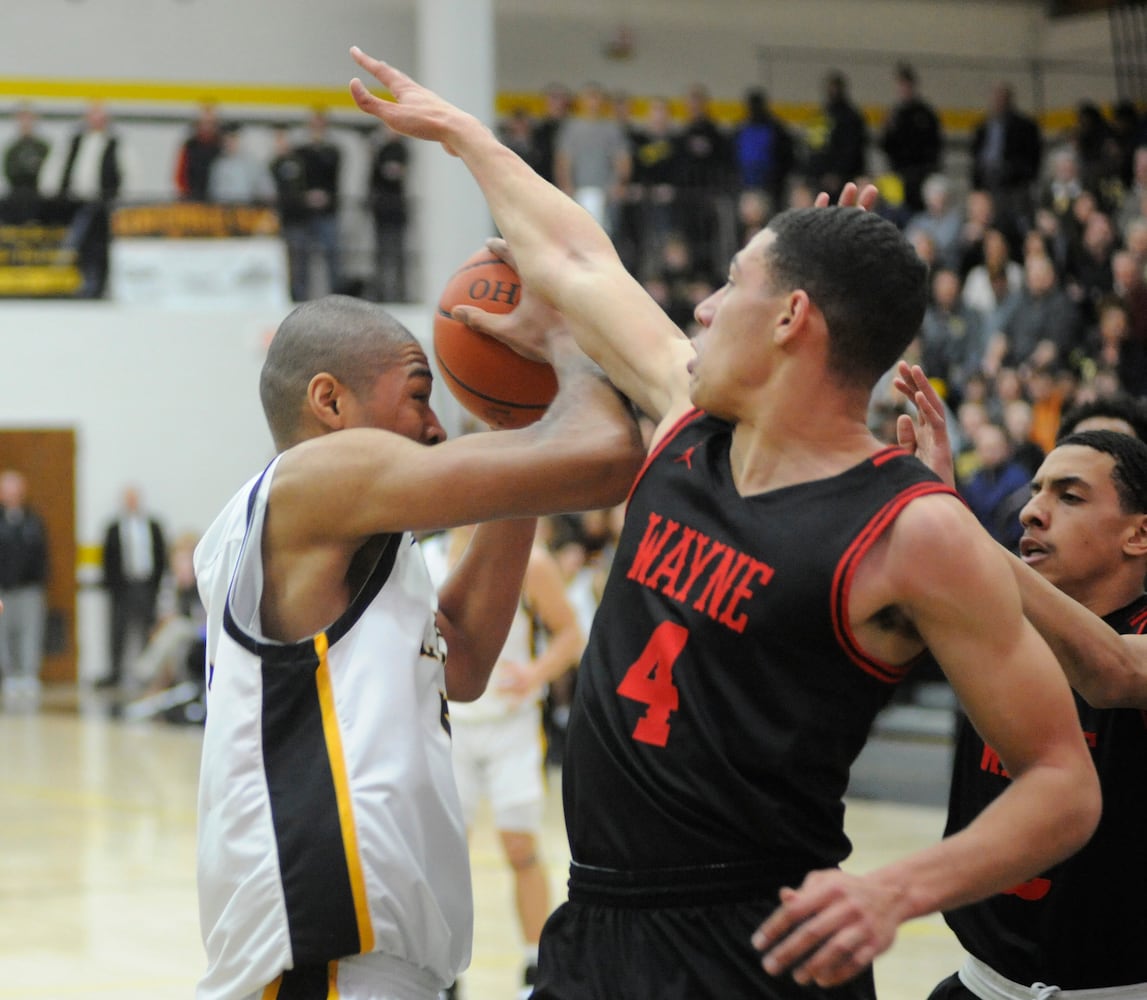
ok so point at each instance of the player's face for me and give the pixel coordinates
(1074, 527)
(399, 400)
(733, 347)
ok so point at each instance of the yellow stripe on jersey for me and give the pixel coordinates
(342, 794)
(271, 990)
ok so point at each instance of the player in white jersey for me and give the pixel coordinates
(498, 752)
(332, 853)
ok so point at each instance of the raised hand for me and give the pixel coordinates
(415, 111)
(851, 195)
(926, 436)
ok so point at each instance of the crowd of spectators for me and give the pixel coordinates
(1038, 248)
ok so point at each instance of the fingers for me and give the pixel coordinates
(906, 433)
(868, 197)
(822, 200)
(501, 249)
(478, 319)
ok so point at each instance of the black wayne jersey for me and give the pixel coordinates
(722, 697)
(1083, 923)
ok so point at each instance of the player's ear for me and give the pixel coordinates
(325, 400)
(1136, 543)
(794, 316)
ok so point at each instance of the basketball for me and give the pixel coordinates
(489, 379)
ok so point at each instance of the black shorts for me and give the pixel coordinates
(678, 942)
(952, 989)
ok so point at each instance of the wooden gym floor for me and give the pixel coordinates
(97, 859)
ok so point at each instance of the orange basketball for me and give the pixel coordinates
(490, 380)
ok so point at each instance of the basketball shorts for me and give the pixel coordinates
(500, 760)
(682, 939)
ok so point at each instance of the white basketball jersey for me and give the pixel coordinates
(329, 822)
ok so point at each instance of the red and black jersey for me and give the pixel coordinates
(722, 697)
(1083, 923)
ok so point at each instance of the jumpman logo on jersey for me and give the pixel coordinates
(687, 457)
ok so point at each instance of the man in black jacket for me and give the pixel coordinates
(135, 559)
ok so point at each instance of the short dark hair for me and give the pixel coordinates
(1130, 471)
(353, 340)
(862, 274)
(1121, 406)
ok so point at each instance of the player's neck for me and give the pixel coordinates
(1110, 593)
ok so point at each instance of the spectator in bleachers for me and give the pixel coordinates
(1127, 281)
(1018, 422)
(993, 289)
(289, 173)
(1135, 197)
(1124, 136)
(763, 149)
(941, 219)
(1089, 277)
(1063, 184)
(979, 216)
(999, 487)
(705, 172)
(952, 338)
(1044, 328)
(558, 107)
(911, 138)
(386, 193)
(196, 154)
(1098, 152)
(24, 159)
(1007, 149)
(322, 167)
(754, 209)
(629, 210)
(838, 142)
(592, 163)
(236, 177)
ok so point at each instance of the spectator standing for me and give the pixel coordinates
(592, 162)
(23, 576)
(1007, 149)
(762, 148)
(135, 560)
(236, 177)
(704, 171)
(322, 167)
(289, 173)
(196, 154)
(655, 173)
(386, 191)
(23, 160)
(93, 176)
(912, 139)
(839, 143)
(558, 107)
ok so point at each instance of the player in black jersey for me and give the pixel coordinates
(774, 581)
(1080, 925)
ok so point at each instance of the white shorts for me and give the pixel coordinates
(501, 760)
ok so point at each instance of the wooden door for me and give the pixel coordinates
(47, 458)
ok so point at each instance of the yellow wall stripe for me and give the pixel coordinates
(342, 794)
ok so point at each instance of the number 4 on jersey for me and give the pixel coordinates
(650, 681)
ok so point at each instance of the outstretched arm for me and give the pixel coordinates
(561, 252)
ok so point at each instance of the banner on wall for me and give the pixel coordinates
(38, 258)
(197, 255)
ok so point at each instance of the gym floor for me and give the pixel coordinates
(97, 859)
